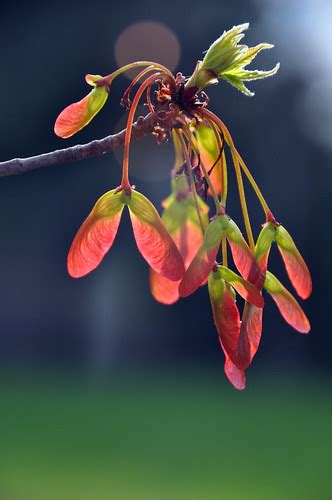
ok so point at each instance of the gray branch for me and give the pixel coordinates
(141, 127)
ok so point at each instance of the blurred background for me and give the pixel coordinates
(106, 394)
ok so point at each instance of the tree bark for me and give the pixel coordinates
(142, 127)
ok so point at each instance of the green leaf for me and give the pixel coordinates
(238, 84)
(246, 76)
(249, 55)
(227, 59)
(224, 51)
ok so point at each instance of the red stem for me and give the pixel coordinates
(125, 184)
(126, 95)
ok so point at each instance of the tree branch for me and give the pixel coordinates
(141, 127)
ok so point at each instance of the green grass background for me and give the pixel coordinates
(164, 439)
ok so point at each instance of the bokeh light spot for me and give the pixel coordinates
(148, 161)
(147, 40)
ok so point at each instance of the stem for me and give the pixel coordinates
(219, 208)
(98, 147)
(191, 179)
(249, 176)
(137, 64)
(125, 184)
(239, 183)
(126, 95)
(224, 177)
(266, 208)
(224, 250)
(177, 150)
(149, 102)
(243, 201)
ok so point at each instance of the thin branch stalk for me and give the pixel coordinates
(99, 147)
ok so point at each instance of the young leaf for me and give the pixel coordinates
(289, 308)
(96, 235)
(152, 238)
(238, 84)
(296, 268)
(237, 77)
(77, 115)
(227, 59)
(225, 51)
(248, 55)
(204, 259)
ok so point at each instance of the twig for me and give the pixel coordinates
(141, 127)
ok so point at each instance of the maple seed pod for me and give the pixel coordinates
(152, 238)
(225, 314)
(244, 343)
(252, 316)
(262, 251)
(227, 320)
(288, 307)
(77, 115)
(245, 289)
(250, 334)
(182, 247)
(263, 246)
(98, 231)
(296, 268)
(241, 253)
(96, 235)
(181, 220)
(204, 260)
(235, 375)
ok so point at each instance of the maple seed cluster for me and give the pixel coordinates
(184, 248)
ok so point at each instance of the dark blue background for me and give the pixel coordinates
(108, 320)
